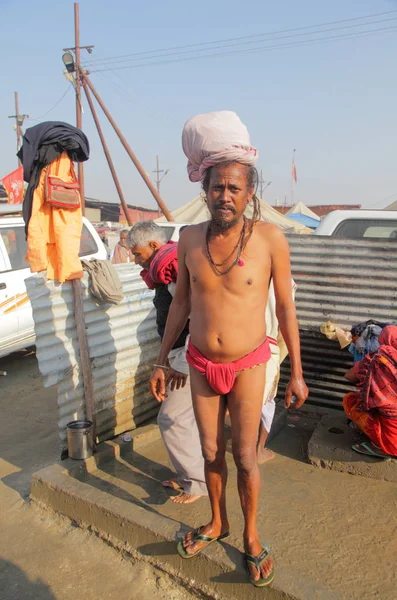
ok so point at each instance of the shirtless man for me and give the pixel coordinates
(225, 266)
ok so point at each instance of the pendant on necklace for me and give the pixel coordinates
(240, 262)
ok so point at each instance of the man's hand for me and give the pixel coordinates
(298, 388)
(158, 384)
(175, 379)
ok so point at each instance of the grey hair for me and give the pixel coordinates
(123, 231)
(144, 232)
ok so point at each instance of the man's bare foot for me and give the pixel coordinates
(266, 568)
(185, 498)
(264, 455)
(210, 530)
(172, 484)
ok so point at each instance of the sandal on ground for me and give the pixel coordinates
(198, 537)
(258, 561)
(370, 449)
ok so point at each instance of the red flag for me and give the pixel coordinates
(13, 185)
(293, 172)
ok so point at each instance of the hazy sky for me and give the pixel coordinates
(335, 101)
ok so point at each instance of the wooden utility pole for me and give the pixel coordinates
(19, 119)
(261, 182)
(157, 170)
(107, 153)
(158, 178)
(128, 148)
(79, 110)
(293, 177)
(262, 186)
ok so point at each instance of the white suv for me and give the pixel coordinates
(359, 224)
(16, 320)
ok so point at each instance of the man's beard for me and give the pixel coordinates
(223, 225)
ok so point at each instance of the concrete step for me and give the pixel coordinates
(330, 447)
(316, 522)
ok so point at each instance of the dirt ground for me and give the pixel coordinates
(44, 557)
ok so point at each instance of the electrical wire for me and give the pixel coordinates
(257, 49)
(55, 105)
(250, 42)
(130, 96)
(251, 37)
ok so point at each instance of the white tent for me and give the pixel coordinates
(301, 208)
(196, 211)
(393, 206)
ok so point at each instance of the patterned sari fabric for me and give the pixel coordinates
(377, 376)
(374, 406)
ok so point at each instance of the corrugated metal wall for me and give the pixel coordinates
(346, 282)
(123, 344)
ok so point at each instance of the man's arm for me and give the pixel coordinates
(177, 316)
(286, 313)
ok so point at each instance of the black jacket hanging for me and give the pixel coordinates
(42, 144)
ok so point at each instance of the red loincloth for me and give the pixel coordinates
(221, 376)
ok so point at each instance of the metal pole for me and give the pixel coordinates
(292, 183)
(107, 153)
(18, 129)
(158, 173)
(128, 149)
(79, 116)
(158, 178)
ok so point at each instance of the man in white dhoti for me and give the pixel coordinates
(278, 354)
(176, 418)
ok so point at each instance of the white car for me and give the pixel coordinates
(359, 224)
(172, 230)
(16, 319)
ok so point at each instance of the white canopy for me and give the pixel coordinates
(301, 208)
(393, 206)
(196, 211)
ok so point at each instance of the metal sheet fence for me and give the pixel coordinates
(346, 282)
(123, 344)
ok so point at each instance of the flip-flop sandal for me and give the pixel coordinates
(258, 561)
(197, 537)
(368, 450)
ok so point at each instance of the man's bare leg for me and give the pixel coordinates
(210, 411)
(245, 406)
(263, 454)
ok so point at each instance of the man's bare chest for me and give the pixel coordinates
(250, 275)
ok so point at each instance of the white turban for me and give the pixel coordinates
(213, 138)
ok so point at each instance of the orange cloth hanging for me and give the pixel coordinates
(54, 233)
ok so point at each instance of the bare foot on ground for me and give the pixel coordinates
(264, 455)
(172, 484)
(255, 548)
(209, 530)
(185, 498)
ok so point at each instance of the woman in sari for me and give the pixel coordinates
(373, 407)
